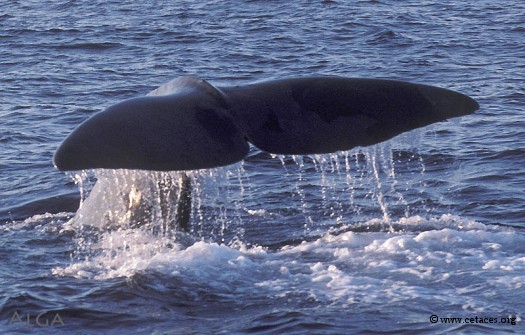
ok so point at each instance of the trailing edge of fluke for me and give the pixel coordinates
(189, 124)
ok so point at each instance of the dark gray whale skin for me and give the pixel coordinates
(195, 125)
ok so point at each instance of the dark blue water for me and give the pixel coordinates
(375, 240)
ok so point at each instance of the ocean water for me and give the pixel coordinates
(407, 236)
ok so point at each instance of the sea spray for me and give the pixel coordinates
(126, 206)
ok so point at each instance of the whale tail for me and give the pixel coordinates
(183, 125)
(189, 124)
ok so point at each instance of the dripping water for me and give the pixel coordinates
(125, 207)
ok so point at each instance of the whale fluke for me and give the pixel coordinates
(183, 125)
(323, 115)
(189, 124)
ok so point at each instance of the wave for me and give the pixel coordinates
(68, 203)
(98, 46)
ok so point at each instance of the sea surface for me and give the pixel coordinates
(423, 234)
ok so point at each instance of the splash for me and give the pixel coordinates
(335, 186)
(123, 210)
(129, 199)
(359, 241)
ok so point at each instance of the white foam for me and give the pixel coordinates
(48, 221)
(447, 260)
